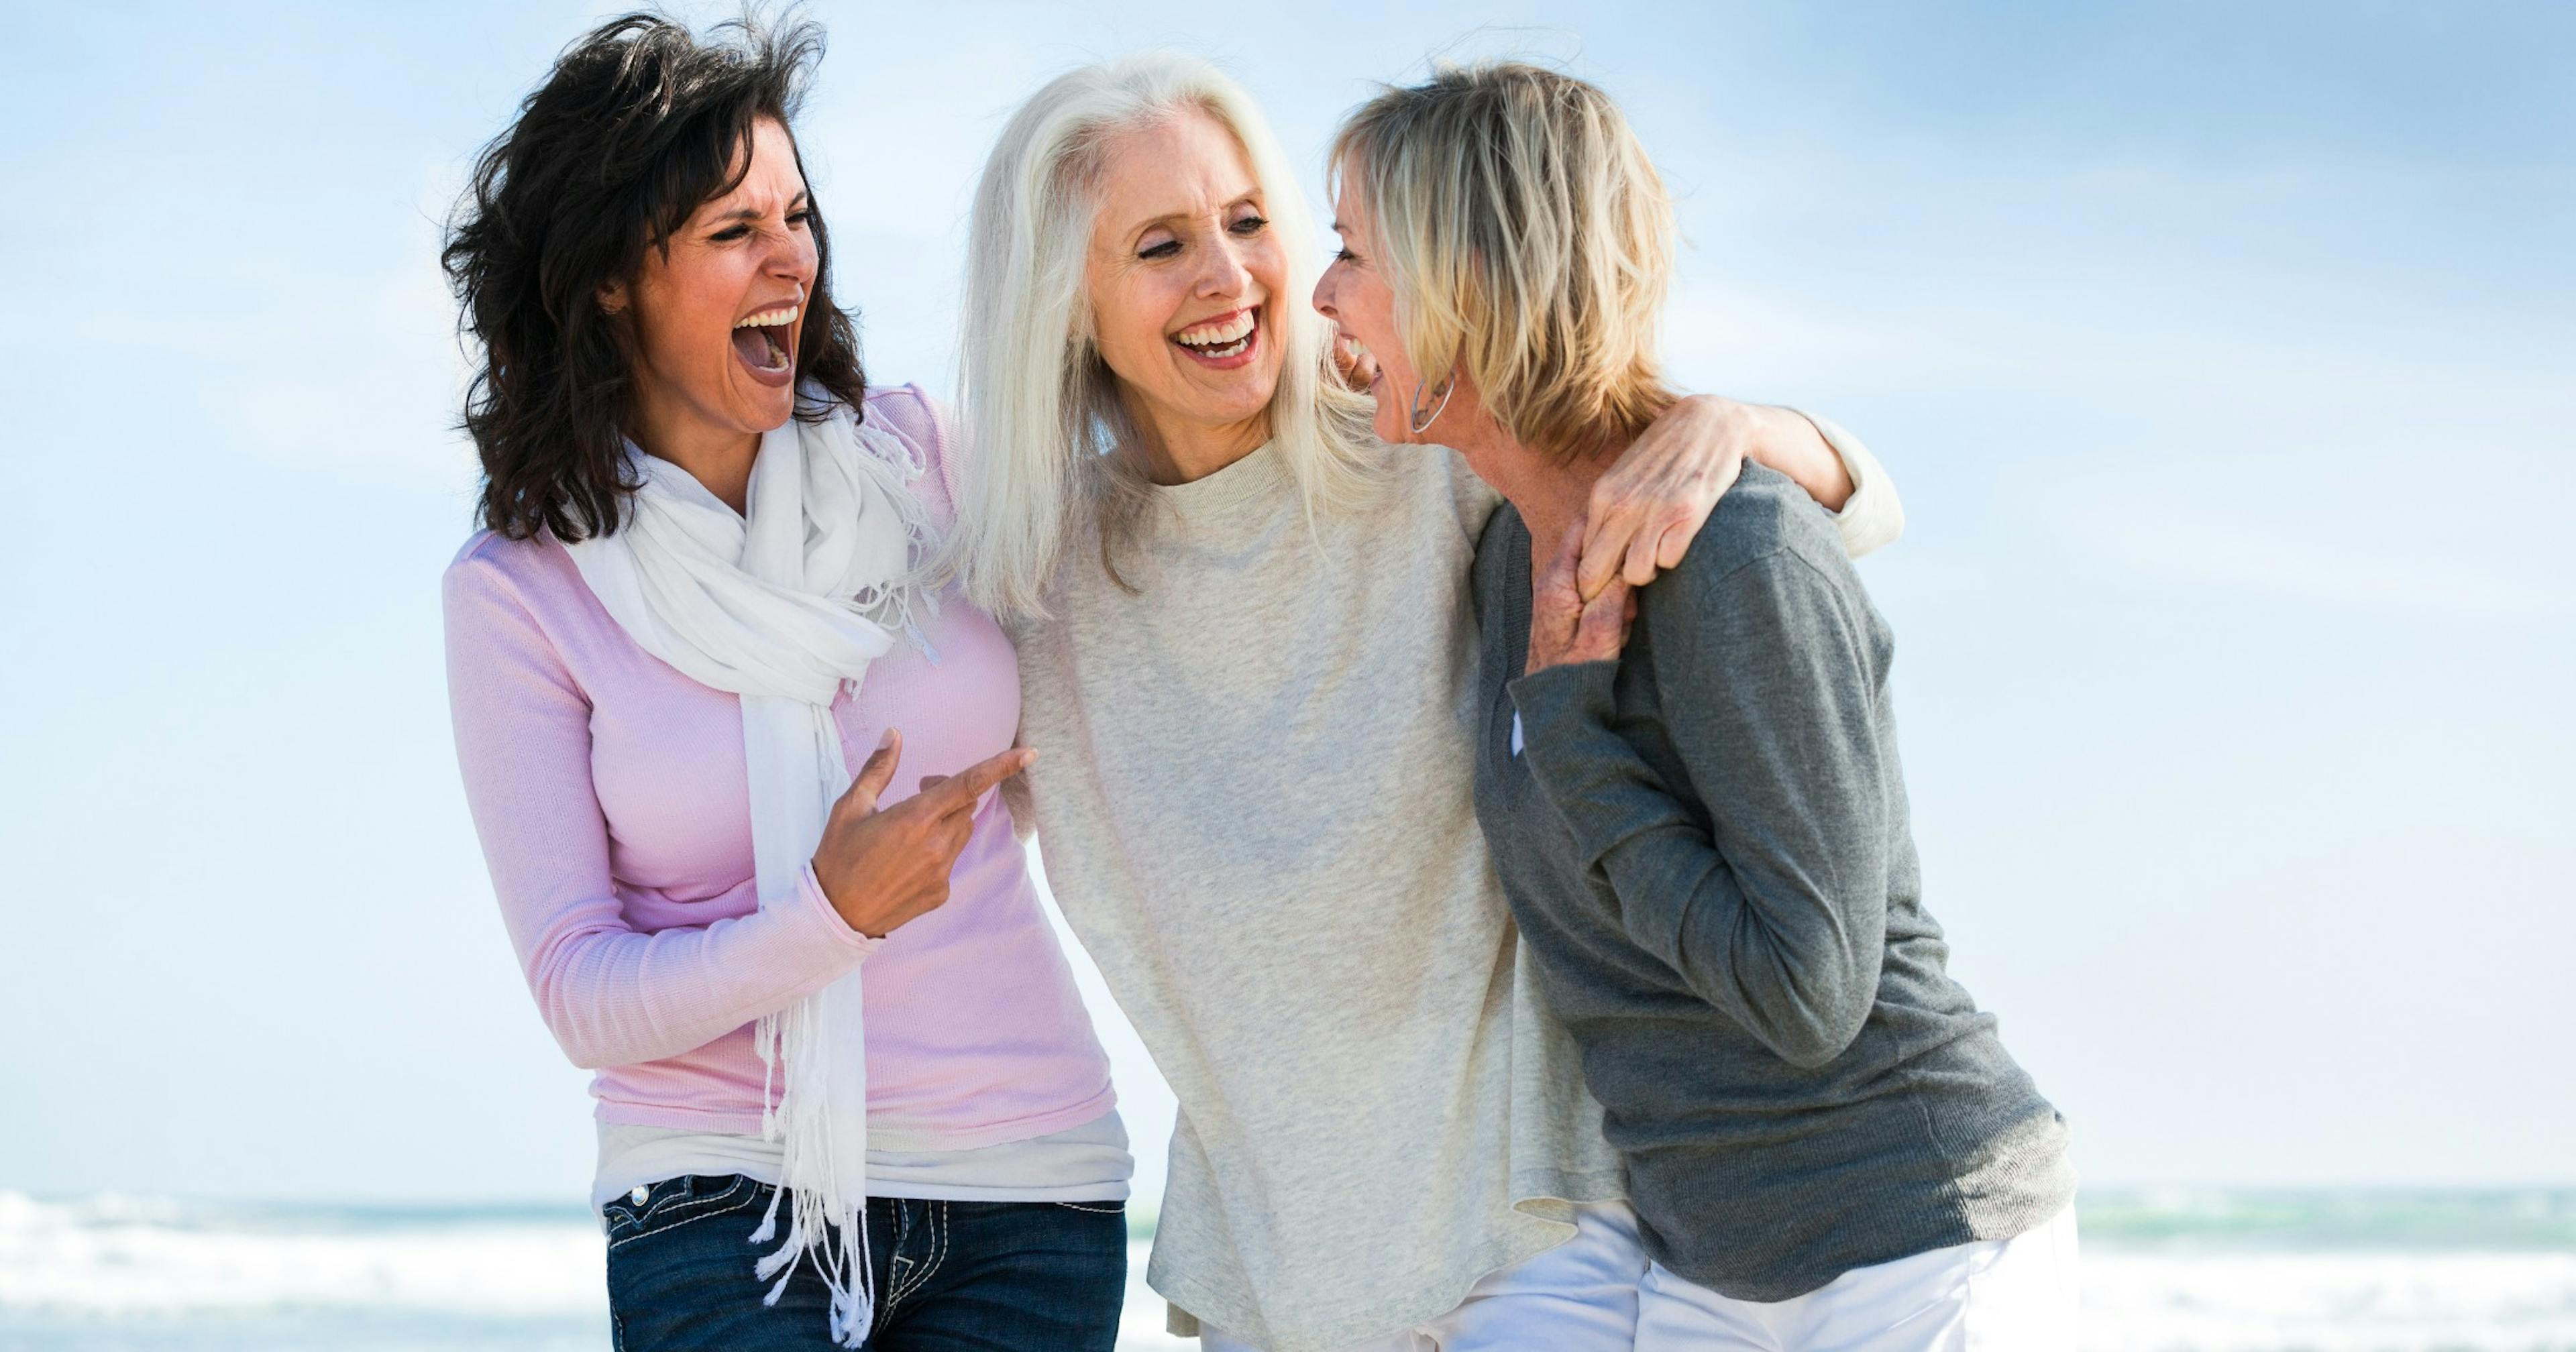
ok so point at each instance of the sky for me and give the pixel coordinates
(2222, 353)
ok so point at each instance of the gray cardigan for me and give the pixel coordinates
(1706, 846)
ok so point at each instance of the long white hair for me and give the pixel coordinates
(1047, 436)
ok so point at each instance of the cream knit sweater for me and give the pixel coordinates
(1253, 799)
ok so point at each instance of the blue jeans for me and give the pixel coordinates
(949, 1276)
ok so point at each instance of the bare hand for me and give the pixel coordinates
(1565, 628)
(882, 868)
(1650, 505)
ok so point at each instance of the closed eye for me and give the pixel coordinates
(1169, 248)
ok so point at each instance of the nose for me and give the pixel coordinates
(1224, 273)
(794, 258)
(1323, 299)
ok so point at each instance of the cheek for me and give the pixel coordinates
(1123, 325)
(1269, 267)
(1377, 315)
(679, 319)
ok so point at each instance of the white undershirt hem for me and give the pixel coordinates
(1086, 1163)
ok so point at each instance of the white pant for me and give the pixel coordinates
(1580, 1296)
(2001, 1295)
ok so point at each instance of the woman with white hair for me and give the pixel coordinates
(1701, 821)
(1248, 667)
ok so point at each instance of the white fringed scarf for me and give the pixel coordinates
(783, 606)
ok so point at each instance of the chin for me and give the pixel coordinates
(770, 411)
(1246, 399)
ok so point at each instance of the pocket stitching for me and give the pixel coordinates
(693, 1210)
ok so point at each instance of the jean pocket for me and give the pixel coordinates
(675, 1202)
(1094, 1208)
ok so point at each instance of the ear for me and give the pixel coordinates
(612, 296)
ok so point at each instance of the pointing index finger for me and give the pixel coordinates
(959, 792)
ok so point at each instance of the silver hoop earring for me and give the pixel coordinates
(1414, 419)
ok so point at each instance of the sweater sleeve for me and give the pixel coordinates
(1872, 518)
(1771, 901)
(610, 995)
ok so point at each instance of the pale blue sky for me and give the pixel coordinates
(2224, 354)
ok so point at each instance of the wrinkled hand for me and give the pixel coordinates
(1564, 627)
(882, 868)
(1650, 505)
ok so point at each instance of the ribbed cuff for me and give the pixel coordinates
(826, 920)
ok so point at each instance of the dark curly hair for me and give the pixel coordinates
(640, 123)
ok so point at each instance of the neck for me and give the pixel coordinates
(1175, 452)
(1550, 491)
(717, 457)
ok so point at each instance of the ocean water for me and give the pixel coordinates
(2164, 1272)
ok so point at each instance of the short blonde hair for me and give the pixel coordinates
(1045, 427)
(1529, 242)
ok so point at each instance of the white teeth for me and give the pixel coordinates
(784, 314)
(1225, 331)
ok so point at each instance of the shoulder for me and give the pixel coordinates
(495, 578)
(922, 426)
(1765, 513)
(908, 413)
(1434, 481)
(1766, 538)
(492, 561)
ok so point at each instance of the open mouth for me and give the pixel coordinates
(1224, 341)
(1357, 361)
(766, 341)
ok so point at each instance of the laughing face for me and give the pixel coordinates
(1182, 272)
(717, 314)
(1354, 293)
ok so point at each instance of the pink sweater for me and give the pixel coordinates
(609, 793)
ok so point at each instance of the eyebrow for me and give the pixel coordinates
(754, 213)
(1150, 222)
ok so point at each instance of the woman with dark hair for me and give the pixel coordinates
(847, 1094)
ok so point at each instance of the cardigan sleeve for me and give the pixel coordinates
(1770, 899)
(610, 994)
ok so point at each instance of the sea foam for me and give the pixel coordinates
(2232, 1273)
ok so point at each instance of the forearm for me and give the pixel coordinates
(611, 995)
(1785, 440)
(615, 996)
(1781, 964)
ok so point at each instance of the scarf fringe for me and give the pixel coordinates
(890, 604)
(823, 1224)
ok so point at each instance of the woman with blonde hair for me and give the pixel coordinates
(1699, 821)
(1248, 666)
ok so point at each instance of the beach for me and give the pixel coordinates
(2165, 1271)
